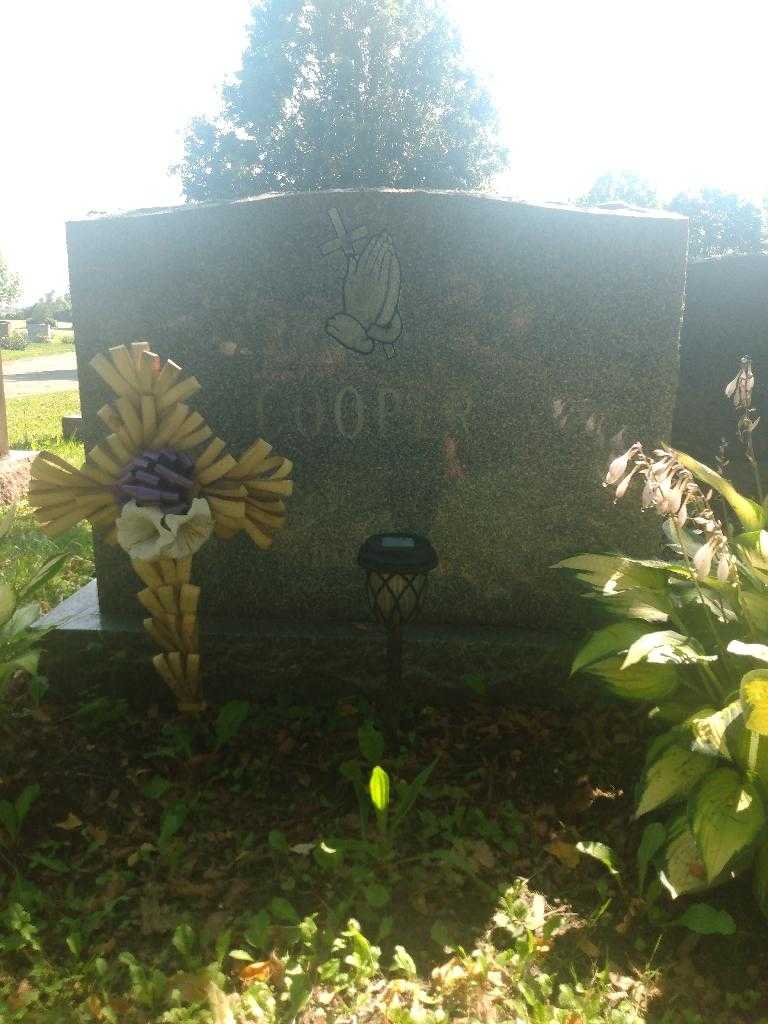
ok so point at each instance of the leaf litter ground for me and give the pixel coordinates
(143, 827)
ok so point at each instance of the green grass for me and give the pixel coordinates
(34, 422)
(62, 341)
(27, 549)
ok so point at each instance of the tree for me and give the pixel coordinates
(51, 307)
(623, 187)
(719, 223)
(346, 93)
(10, 284)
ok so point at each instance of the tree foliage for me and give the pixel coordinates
(346, 93)
(623, 187)
(49, 308)
(10, 284)
(719, 223)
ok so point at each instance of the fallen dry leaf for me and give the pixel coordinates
(449, 974)
(70, 822)
(270, 971)
(481, 854)
(566, 853)
(197, 890)
(23, 995)
(588, 947)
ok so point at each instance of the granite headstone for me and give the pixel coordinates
(38, 332)
(458, 364)
(726, 317)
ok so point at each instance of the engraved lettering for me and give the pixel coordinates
(388, 407)
(459, 408)
(319, 416)
(359, 413)
(464, 412)
(260, 411)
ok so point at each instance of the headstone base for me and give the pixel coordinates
(71, 425)
(440, 664)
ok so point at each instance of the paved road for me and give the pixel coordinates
(41, 375)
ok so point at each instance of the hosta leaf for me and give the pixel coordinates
(24, 662)
(754, 699)
(645, 605)
(760, 878)
(615, 573)
(671, 777)
(751, 515)
(753, 547)
(613, 639)
(22, 619)
(654, 837)
(662, 646)
(740, 743)
(726, 815)
(684, 870)
(593, 569)
(676, 711)
(7, 602)
(600, 852)
(756, 609)
(639, 682)
(757, 651)
(706, 920)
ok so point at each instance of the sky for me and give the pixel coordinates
(95, 96)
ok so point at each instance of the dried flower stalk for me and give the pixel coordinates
(740, 391)
(674, 493)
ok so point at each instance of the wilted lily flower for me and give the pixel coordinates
(618, 467)
(741, 387)
(673, 492)
(702, 560)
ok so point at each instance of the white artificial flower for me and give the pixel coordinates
(141, 532)
(189, 531)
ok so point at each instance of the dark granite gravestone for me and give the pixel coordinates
(456, 364)
(726, 317)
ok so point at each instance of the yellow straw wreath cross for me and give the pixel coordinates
(159, 485)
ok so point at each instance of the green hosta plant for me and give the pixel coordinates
(19, 642)
(689, 636)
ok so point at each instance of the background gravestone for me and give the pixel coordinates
(452, 363)
(726, 317)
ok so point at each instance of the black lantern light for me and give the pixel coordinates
(396, 567)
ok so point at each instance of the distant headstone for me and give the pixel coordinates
(455, 364)
(38, 332)
(71, 425)
(726, 317)
(5, 328)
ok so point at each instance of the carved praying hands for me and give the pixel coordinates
(371, 296)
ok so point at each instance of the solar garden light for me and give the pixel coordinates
(396, 567)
